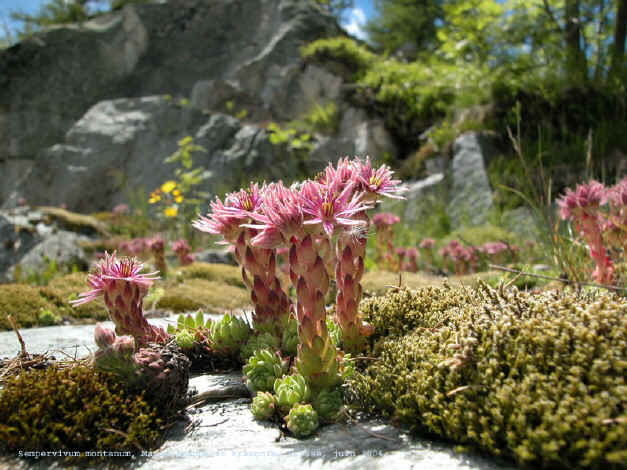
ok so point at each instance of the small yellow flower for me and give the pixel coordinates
(178, 199)
(154, 197)
(171, 211)
(168, 186)
(176, 192)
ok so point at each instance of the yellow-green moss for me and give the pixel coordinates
(481, 234)
(377, 282)
(74, 409)
(231, 275)
(193, 294)
(75, 222)
(24, 303)
(343, 50)
(61, 290)
(538, 378)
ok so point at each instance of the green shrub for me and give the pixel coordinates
(356, 58)
(539, 378)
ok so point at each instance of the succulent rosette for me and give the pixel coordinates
(302, 420)
(259, 341)
(289, 339)
(328, 404)
(123, 288)
(229, 334)
(184, 340)
(289, 390)
(263, 368)
(263, 407)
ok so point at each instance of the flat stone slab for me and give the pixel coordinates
(221, 431)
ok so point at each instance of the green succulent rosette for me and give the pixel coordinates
(184, 340)
(289, 390)
(302, 420)
(263, 368)
(229, 334)
(256, 342)
(263, 406)
(289, 341)
(335, 332)
(328, 404)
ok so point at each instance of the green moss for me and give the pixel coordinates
(539, 378)
(194, 294)
(76, 222)
(24, 303)
(74, 409)
(481, 234)
(63, 289)
(347, 52)
(225, 273)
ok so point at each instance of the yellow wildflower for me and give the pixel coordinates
(154, 197)
(178, 199)
(168, 186)
(171, 211)
(176, 192)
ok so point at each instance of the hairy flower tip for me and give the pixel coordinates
(412, 253)
(342, 175)
(245, 200)
(111, 270)
(281, 212)
(586, 196)
(103, 336)
(181, 247)
(222, 220)
(383, 219)
(326, 205)
(618, 194)
(377, 182)
(427, 244)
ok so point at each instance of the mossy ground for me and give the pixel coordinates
(75, 409)
(210, 287)
(539, 378)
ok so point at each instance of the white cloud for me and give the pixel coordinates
(355, 23)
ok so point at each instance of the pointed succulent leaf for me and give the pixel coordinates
(262, 369)
(200, 319)
(256, 342)
(290, 390)
(328, 403)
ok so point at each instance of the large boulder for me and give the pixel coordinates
(31, 242)
(49, 81)
(470, 190)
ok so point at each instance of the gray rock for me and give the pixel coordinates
(215, 256)
(471, 193)
(61, 246)
(29, 242)
(421, 199)
(49, 81)
(368, 135)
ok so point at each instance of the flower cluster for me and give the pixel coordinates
(602, 228)
(183, 251)
(170, 196)
(322, 224)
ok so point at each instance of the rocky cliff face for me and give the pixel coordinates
(86, 109)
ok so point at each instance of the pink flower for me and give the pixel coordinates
(586, 196)
(325, 205)
(121, 209)
(385, 218)
(427, 244)
(280, 218)
(112, 271)
(377, 182)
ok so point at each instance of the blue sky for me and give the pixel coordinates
(354, 19)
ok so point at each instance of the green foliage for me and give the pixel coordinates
(74, 409)
(263, 407)
(328, 404)
(257, 342)
(324, 119)
(290, 390)
(302, 420)
(535, 377)
(400, 23)
(47, 317)
(263, 368)
(229, 334)
(347, 52)
(289, 341)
